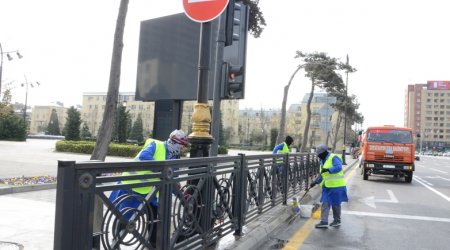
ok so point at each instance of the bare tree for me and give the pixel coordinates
(282, 131)
(110, 114)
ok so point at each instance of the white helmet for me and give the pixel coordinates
(178, 136)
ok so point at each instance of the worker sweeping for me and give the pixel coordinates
(334, 191)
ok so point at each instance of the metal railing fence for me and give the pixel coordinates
(192, 203)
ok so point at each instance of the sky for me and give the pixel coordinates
(67, 47)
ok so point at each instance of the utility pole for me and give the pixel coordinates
(345, 115)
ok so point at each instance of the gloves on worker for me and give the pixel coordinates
(325, 170)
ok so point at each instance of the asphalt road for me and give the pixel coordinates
(384, 213)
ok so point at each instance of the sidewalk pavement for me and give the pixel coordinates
(28, 219)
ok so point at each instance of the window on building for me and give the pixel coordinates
(442, 94)
(428, 106)
(442, 106)
(441, 124)
(436, 94)
(427, 124)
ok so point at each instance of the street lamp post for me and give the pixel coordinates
(9, 58)
(26, 96)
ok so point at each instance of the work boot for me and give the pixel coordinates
(335, 223)
(322, 224)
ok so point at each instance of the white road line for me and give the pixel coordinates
(397, 216)
(422, 180)
(432, 189)
(440, 171)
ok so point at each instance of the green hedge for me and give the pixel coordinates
(87, 147)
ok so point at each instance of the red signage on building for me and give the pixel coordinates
(204, 10)
(431, 85)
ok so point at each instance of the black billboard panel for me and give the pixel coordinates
(168, 59)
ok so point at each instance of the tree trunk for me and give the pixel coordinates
(281, 132)
(336, 133)
(110, 113)
(308, 117)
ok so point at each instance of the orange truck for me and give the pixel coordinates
(388, 150)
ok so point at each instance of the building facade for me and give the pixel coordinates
(40, 117)
(322, 123)
(427, 113)
(94, 106)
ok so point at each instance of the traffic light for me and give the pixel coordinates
(234, 55)
(233, 80)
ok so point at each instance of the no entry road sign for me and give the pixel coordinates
(204, 10)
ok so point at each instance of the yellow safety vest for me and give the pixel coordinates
(332, 180)
(160, 155)
(285, 149)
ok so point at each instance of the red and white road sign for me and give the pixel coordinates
(204, 10)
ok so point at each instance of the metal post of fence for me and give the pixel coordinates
(274, 186)
(165, 203)
(64, 211)
(285, 178)
(240, 190)
(261, 184)
(308, 171)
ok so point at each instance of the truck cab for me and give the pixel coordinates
(388, 150)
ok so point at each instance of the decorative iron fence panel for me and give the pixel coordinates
(187, 203)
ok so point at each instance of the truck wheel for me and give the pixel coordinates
(365, 175)
(408, 177)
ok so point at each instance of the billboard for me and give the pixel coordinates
(168, 59)
(438, 85)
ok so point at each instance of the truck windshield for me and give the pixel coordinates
(389, 135)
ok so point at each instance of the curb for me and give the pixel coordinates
(27, 188)
(262, 233)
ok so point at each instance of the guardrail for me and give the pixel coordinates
(200, 200)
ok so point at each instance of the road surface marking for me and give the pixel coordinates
(397, 216)
(423, 181)
(440, 171)
(437, 177)
(370, 201)
(432, 189)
